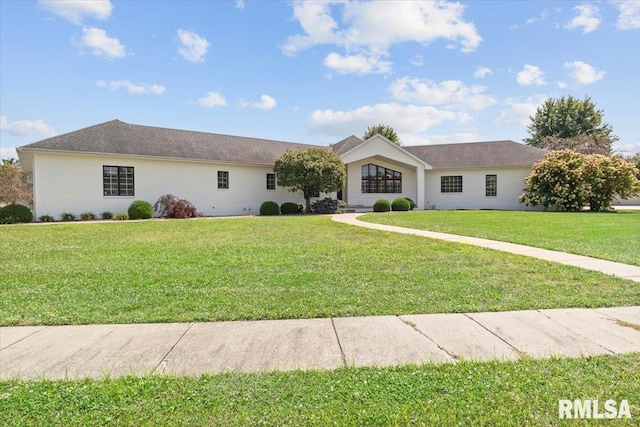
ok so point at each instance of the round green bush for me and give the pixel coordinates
(400, 204)
(411, 203)
(269, 208)
(14, 213)
(381, 205)
(140, 209)
(289, 208)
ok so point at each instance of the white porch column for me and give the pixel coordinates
(420, 202)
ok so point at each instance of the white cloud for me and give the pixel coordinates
(449, 93)
(370, 28)
(629, 18)
(541, 17)
(403, 118)
(482, 72)
(421, 139)
(8, 153)
(266, 103)
(194, 48)
(26, 128)
(240, 4)
(531, 75)
(588, 18)
(358, 64)
(212, 100)
(583, 73)
(518, 111)
(417, 61)
(76, 10)
(114, 85)
(101, 44)
(562, 85)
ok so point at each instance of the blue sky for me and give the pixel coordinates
(438, 72)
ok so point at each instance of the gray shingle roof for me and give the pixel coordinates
(346, 144)
(477, 154)
(116, 137)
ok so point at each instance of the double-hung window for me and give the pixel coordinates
(451, 184)
(117, 181)
(223, 179)
(491, 186)
(271, 181)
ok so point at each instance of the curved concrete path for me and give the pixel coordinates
(625, 271)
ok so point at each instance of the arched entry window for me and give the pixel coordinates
(378, 179)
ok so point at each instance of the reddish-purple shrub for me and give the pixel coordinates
(169, 206)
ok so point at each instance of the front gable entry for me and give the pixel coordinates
(379, 151)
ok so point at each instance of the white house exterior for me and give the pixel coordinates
(107, 166)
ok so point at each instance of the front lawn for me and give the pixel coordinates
(522, 393)
(269, 268)
(613, 236)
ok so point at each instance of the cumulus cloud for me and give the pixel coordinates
(240, 4)
(588, 18)
(482, 72)
(26, 128)
(531, 75)
(518, 111)
(114, 85)
(193, 47)
(416, 139)
(403, 118)
(449, 93)
(76, 10)
(629, 17)
(370, 28)
(583, 73)
(100, 43)
(266, 103)
(358, 64)
(212, 100)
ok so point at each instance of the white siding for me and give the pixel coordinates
(73, 183)
(510, 187)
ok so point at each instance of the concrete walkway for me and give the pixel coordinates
(625, 271)
(59, 352)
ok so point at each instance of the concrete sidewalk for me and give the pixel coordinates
(625, 271)
(59, 352)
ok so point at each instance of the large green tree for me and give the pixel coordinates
(311, 171)
(384, 130)
(13, 184)
(570, 123)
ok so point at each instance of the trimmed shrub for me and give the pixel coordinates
(400, 204)
(106, 215)
(88, 216)
(121, 216)
(169, 206)
(289, 208)
(46, 218)
(269, 208)
(140, 209)
(381, 205)
(328, 206)
(14, 214)
(411, 203)
(68, 216)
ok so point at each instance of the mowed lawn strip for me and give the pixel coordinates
(613, 236)
(522, 393)
(269, 268)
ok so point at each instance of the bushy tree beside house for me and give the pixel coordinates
(13, 184)
(384, 130)
(311, 171)
(570, 123)
(569, 181)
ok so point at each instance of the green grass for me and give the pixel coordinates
(522, 393)
(613, 236)
(269, 268)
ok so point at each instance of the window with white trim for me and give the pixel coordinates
(378, 179)
(271, 181)
(491, 186)
(223, 180)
